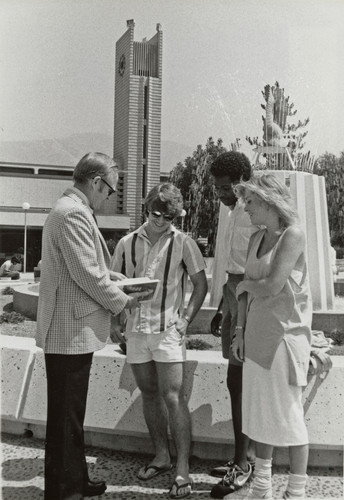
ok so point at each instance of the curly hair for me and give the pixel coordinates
(232, 164)
(165, 198)
(273, 192)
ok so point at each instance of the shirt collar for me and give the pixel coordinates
(239, 206)
(81, 195)
(141, 231)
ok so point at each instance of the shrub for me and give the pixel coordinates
(7, 291)
(337, 337)
(339, 252)
(12, 317)
(197, 345)
(203, 246)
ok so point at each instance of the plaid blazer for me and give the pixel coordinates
(76, 297)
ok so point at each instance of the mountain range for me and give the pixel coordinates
(69, 150)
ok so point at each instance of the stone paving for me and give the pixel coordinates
(23, 467)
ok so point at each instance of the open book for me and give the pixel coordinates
(138, 286)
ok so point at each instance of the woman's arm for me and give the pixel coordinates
(290, 247)
(237, 345)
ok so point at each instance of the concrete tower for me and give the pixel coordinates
(137, 130)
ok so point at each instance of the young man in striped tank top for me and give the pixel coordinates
(156, 331)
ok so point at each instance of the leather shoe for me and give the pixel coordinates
(93, 488)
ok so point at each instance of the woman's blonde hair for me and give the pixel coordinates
(273, 192)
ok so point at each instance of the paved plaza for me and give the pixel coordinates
(23, 467)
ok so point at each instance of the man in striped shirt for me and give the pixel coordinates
(156, 331)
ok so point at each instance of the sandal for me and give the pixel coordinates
(178, 487)
(157, 471)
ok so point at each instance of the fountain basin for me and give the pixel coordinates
(25, 300)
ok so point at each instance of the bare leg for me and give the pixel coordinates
(298, 457)
(251, 450)
(264, 450)
(171, 385)
(155, 412)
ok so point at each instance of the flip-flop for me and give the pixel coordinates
(157, 471)
(179, 487)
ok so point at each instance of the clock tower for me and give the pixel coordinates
(137, 127)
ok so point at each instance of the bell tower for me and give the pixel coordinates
(137, 123)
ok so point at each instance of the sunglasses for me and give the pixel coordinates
(111, 189)
(157, 215)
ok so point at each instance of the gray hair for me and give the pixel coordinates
(91, 165)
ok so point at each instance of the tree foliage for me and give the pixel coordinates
(200, 201)
(332, 168)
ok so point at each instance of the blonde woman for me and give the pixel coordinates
(273, 335)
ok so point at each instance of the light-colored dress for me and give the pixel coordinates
(277, 349)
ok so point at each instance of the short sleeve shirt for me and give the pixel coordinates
(171, 259)
(6, 267)
(238, 234)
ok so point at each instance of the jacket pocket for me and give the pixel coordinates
(85, 307)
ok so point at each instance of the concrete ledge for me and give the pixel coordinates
(114, 411)
(328, 320)
(322, 320)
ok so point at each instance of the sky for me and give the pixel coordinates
(57, 66)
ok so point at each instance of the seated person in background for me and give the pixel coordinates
(19, 253)
(9, 268)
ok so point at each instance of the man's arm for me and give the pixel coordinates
(200, 288)
(79, 252)
(216, 322)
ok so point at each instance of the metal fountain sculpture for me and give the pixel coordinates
(308, 191)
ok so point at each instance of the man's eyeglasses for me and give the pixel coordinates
(157, 214)
(111, 189)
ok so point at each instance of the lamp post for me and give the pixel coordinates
(26, 207)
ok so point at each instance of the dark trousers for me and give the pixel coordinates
(65, 464)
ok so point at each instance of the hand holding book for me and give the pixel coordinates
(142, 288)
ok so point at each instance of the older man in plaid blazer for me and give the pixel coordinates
(76, 301)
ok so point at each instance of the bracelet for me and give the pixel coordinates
(239, 327)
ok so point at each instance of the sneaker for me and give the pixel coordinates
(287, 494)
(222, 470)
(247, 492)
(235, 479)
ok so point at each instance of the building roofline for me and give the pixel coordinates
(25, 164)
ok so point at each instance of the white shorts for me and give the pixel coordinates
(164, 347)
